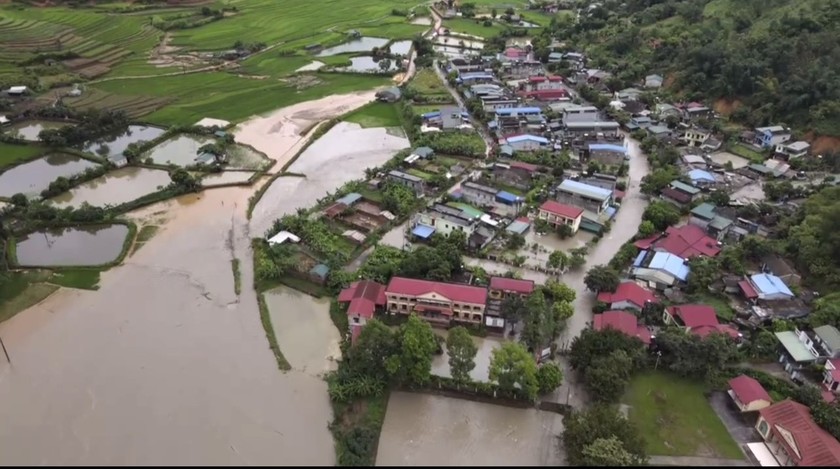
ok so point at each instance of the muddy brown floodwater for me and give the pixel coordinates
(424, 430)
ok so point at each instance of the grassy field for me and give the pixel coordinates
(676, 419)
(747, 152)
(720, 304)
(473, 27)
(375, 115)
(85, 279)
(22, 291)
(427, 83)
(12, 154)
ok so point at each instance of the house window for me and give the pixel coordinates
(763, 427)
(404, 307)
(356, 319)
(476, 317)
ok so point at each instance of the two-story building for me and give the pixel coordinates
(793, 150)
(478, 194)
(558, 214)
(515, 174)
(594, 199)
(769, 137)
(444, 219)
(792, 438)
(660, 270)
(704, 216)
(592, 130)
(408, 180)
(608, 154)
(580, 114)
(797, 351)
(695, 136)
(437, 302)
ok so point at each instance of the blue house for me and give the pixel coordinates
(766, 287)
(769, 137)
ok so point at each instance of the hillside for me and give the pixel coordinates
(765, 61)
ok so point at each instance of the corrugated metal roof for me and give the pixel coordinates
(607, 147)
(525, 138)
(585, 189)
(794, 347)
(700, 175)
(349, 199)
(769, 284)
(504, 196)
(673, 265)
(423, 231)
(830, 335)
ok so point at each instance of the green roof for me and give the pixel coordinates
(794, 347)
(830, 335)
(704, 210)
(468, 209)
(681, 186)
(720, 223)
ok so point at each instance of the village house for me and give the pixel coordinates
(544, 88)
(515, 174)
(660, 270)
(555, 57)
(701, 178)
(448, 118)
(478, 194)
(748, 394)
(527, 142)
(800, 348)
(491, 104)
(793, 438)
(465, 65)
(437, 302)
(695, 136)
(700, 320)
(319, 274)
(831, 375)
(444, 219)
(664, 110)
(592, 130)
(680, 193)
(408, 180)
(628, 295)
(363, 298)
(653, 81)
(659, 132)
(607, 154)
(594, 199)
(17, 91)
(765, 287)
(624, 322)
(558, 214)
(704, 216)
(577, 113)
(778, 266)
(471, 78)
(793, 150)
(639, 122)
(685, 241)
(770, 137)
(695, 111)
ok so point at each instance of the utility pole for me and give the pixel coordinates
(4, 351)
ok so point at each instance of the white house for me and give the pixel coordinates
(796, 149)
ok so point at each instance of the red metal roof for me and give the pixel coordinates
(512, 284)
(747, 289)
(364, 297)
(628, 291)
(624, 322)
(816, 447)
(452, 291)
(747, 389)
(545, 94)
(694, 315)
(674, 194)
(646, 243)
(522, 165)
(725, 329)
(536, 79)
(562, 210)
(828, 397)
(687, 241)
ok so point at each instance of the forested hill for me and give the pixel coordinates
(779, 58)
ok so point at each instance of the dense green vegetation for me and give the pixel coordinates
(776, 57)
(12, 154)
(375, 115)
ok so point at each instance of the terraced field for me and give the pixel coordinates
(133, 105)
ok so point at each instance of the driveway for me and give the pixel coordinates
(739, 425)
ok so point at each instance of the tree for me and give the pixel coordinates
(375, 344)
(412, 365)
(20, 200)
(592, 344)
(584, 428)
(564, 231)
(704, 272)
(826, 311)
(646, 228)
(578, 258)
(513, 309)
(601, 278)
(651, 313)
(511, 366)
(662, 214)
(516, 241)
(462, 350)
(539, 324)
(559, 291)
(607, 377)
(608, 452)
(692, 356)
(385, 64)
(557, 260)
(549, 377)
(184, 181)
(719, 198)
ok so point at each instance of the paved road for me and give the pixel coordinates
(695, 461)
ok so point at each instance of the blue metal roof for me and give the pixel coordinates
(518, 110)
(430, 115)
(769, 284)
(507, 197)
(585, 189)
(641, 257)
(423, 231)
(674, 265)
(321, 270)
(700, 175)
(350, 199)
(607, 147)
(611, 211)
(476, 76)
(518, 226)
(524, 138)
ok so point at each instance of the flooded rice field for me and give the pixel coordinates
(311, 67)
(113, 146)
(481, 372)
(400, 47)
(426, 430)
(29, 130)
(77, 246)
(33, 177)
(458, 43)
(245, 157)
(181, 150)
(183, 376)
(367, 64)
(302, 325)
(117, 187)
(226, 177)
(362, 44)
(339, 156)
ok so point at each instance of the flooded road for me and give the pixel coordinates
(481, 372)
(425, 430)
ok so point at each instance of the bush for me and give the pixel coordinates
(549, 377)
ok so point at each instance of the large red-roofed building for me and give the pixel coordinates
(558, 214)
(628, 295)
(624, 322)
(794, 439)
(437, 302)
(685, 241)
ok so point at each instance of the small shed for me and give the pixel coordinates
(423, 231)
(519, 226)
(350, 199)
(319, 273)
(506, 150)
(17, 90)
(282, 237)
